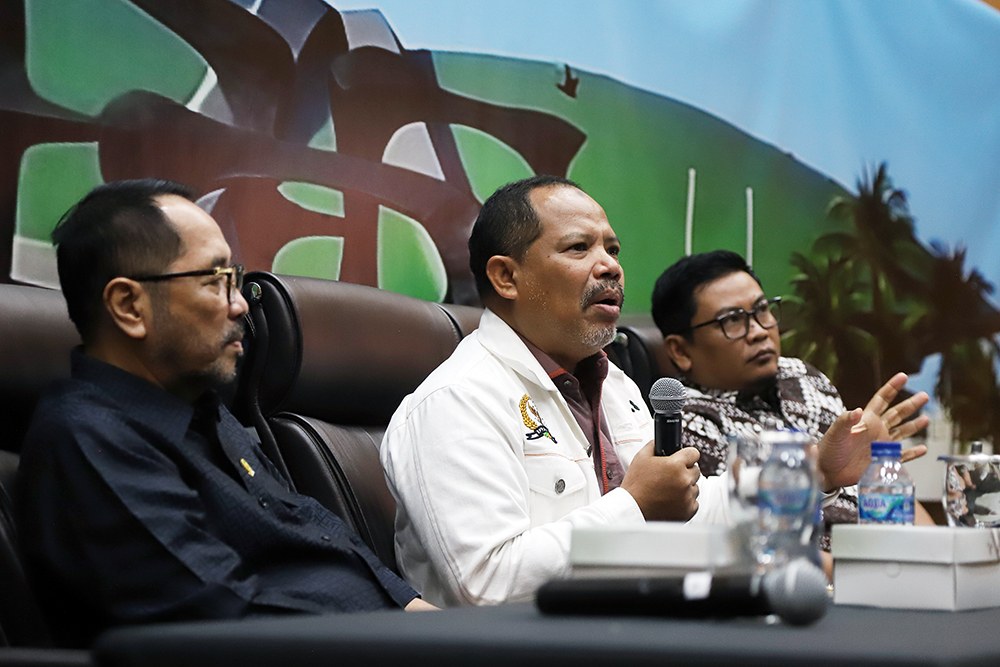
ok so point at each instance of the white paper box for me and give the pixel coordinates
(916, 567)
(657, 548)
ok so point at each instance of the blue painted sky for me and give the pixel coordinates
(838, 83)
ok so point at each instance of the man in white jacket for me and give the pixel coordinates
(527, 431)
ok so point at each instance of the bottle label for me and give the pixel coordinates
(885, 508)
(784, 501)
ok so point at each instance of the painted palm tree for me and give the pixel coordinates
(829, 297)
(967, 388)
(898, 267)
(872, 300)
(883, 235)
(967, 383)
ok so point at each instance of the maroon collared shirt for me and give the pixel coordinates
(582, 391)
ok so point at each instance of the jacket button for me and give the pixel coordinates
(560, 486)
(263, 502)
(325, 538)
(611, 474)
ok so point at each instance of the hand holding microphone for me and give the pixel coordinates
(664, 485)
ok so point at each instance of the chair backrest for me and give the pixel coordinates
(466, 317)
(36, 337)
(327, 364)
(21, 619)
(640, 352)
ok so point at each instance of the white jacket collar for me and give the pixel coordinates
(503, 342)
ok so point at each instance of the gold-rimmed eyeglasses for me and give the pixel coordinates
(233, 274)
(736, 323)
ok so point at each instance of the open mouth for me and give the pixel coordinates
(607, 297)
(610, 301)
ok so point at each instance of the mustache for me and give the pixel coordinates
(235, 334)
(596, 292)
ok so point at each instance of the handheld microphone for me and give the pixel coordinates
(667, 398)
(795, 592)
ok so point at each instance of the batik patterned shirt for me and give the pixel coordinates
(800, 397)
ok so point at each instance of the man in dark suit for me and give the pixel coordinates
(140, 497)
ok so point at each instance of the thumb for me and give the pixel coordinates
(687, 455)
(844, 425)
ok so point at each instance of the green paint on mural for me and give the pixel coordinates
(489, 163)
(52, 178)
(635, 163)
(84, 53)
(326, 138)
(408, 260)
(316, 198)
(310, 256)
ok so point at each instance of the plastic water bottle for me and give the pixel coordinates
(885, 491)
(787, 501)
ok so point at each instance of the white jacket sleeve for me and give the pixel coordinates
(713, 500)
(456, 468)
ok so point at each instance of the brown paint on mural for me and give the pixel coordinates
(282, 75)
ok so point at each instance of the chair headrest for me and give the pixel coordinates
(466, 317)
(641, 353)
(36, 336)
(343, 353)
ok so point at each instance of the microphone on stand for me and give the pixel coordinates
(796, 592)
(667, 398)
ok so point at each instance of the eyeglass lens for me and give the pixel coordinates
(235, 281)
(737, 325)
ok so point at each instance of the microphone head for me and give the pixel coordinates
(796, 592)
(667, 396)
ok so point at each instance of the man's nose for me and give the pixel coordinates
(239, 307)
(755, 330)
(609, 267)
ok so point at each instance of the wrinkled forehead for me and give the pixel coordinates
(564, 208)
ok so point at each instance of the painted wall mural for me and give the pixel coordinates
(326, 147)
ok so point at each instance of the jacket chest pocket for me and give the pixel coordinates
(628, 440)
(557, 486)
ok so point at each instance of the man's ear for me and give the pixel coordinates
(129, 306)
(500, 270)
(678, 350)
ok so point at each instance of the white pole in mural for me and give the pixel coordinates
(689, 217)
(750, 227)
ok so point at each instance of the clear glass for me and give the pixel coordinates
(972, 490)
(774, 494)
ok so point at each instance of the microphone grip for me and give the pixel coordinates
(667, 433)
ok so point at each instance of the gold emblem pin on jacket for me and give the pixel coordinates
(247, 467)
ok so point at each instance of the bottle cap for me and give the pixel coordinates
(884, 449)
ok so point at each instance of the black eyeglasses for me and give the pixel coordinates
(233, 274)
(736, 323)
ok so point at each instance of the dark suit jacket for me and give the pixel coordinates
(133, 506)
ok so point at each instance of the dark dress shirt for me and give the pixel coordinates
(582, 393)
(135, 506)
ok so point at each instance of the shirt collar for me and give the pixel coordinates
(766, 392)
(501, 340)
(589, 374)
(155, 407)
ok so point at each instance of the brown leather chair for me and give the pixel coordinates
(36, 337)
(466, 317)
(327, 364)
